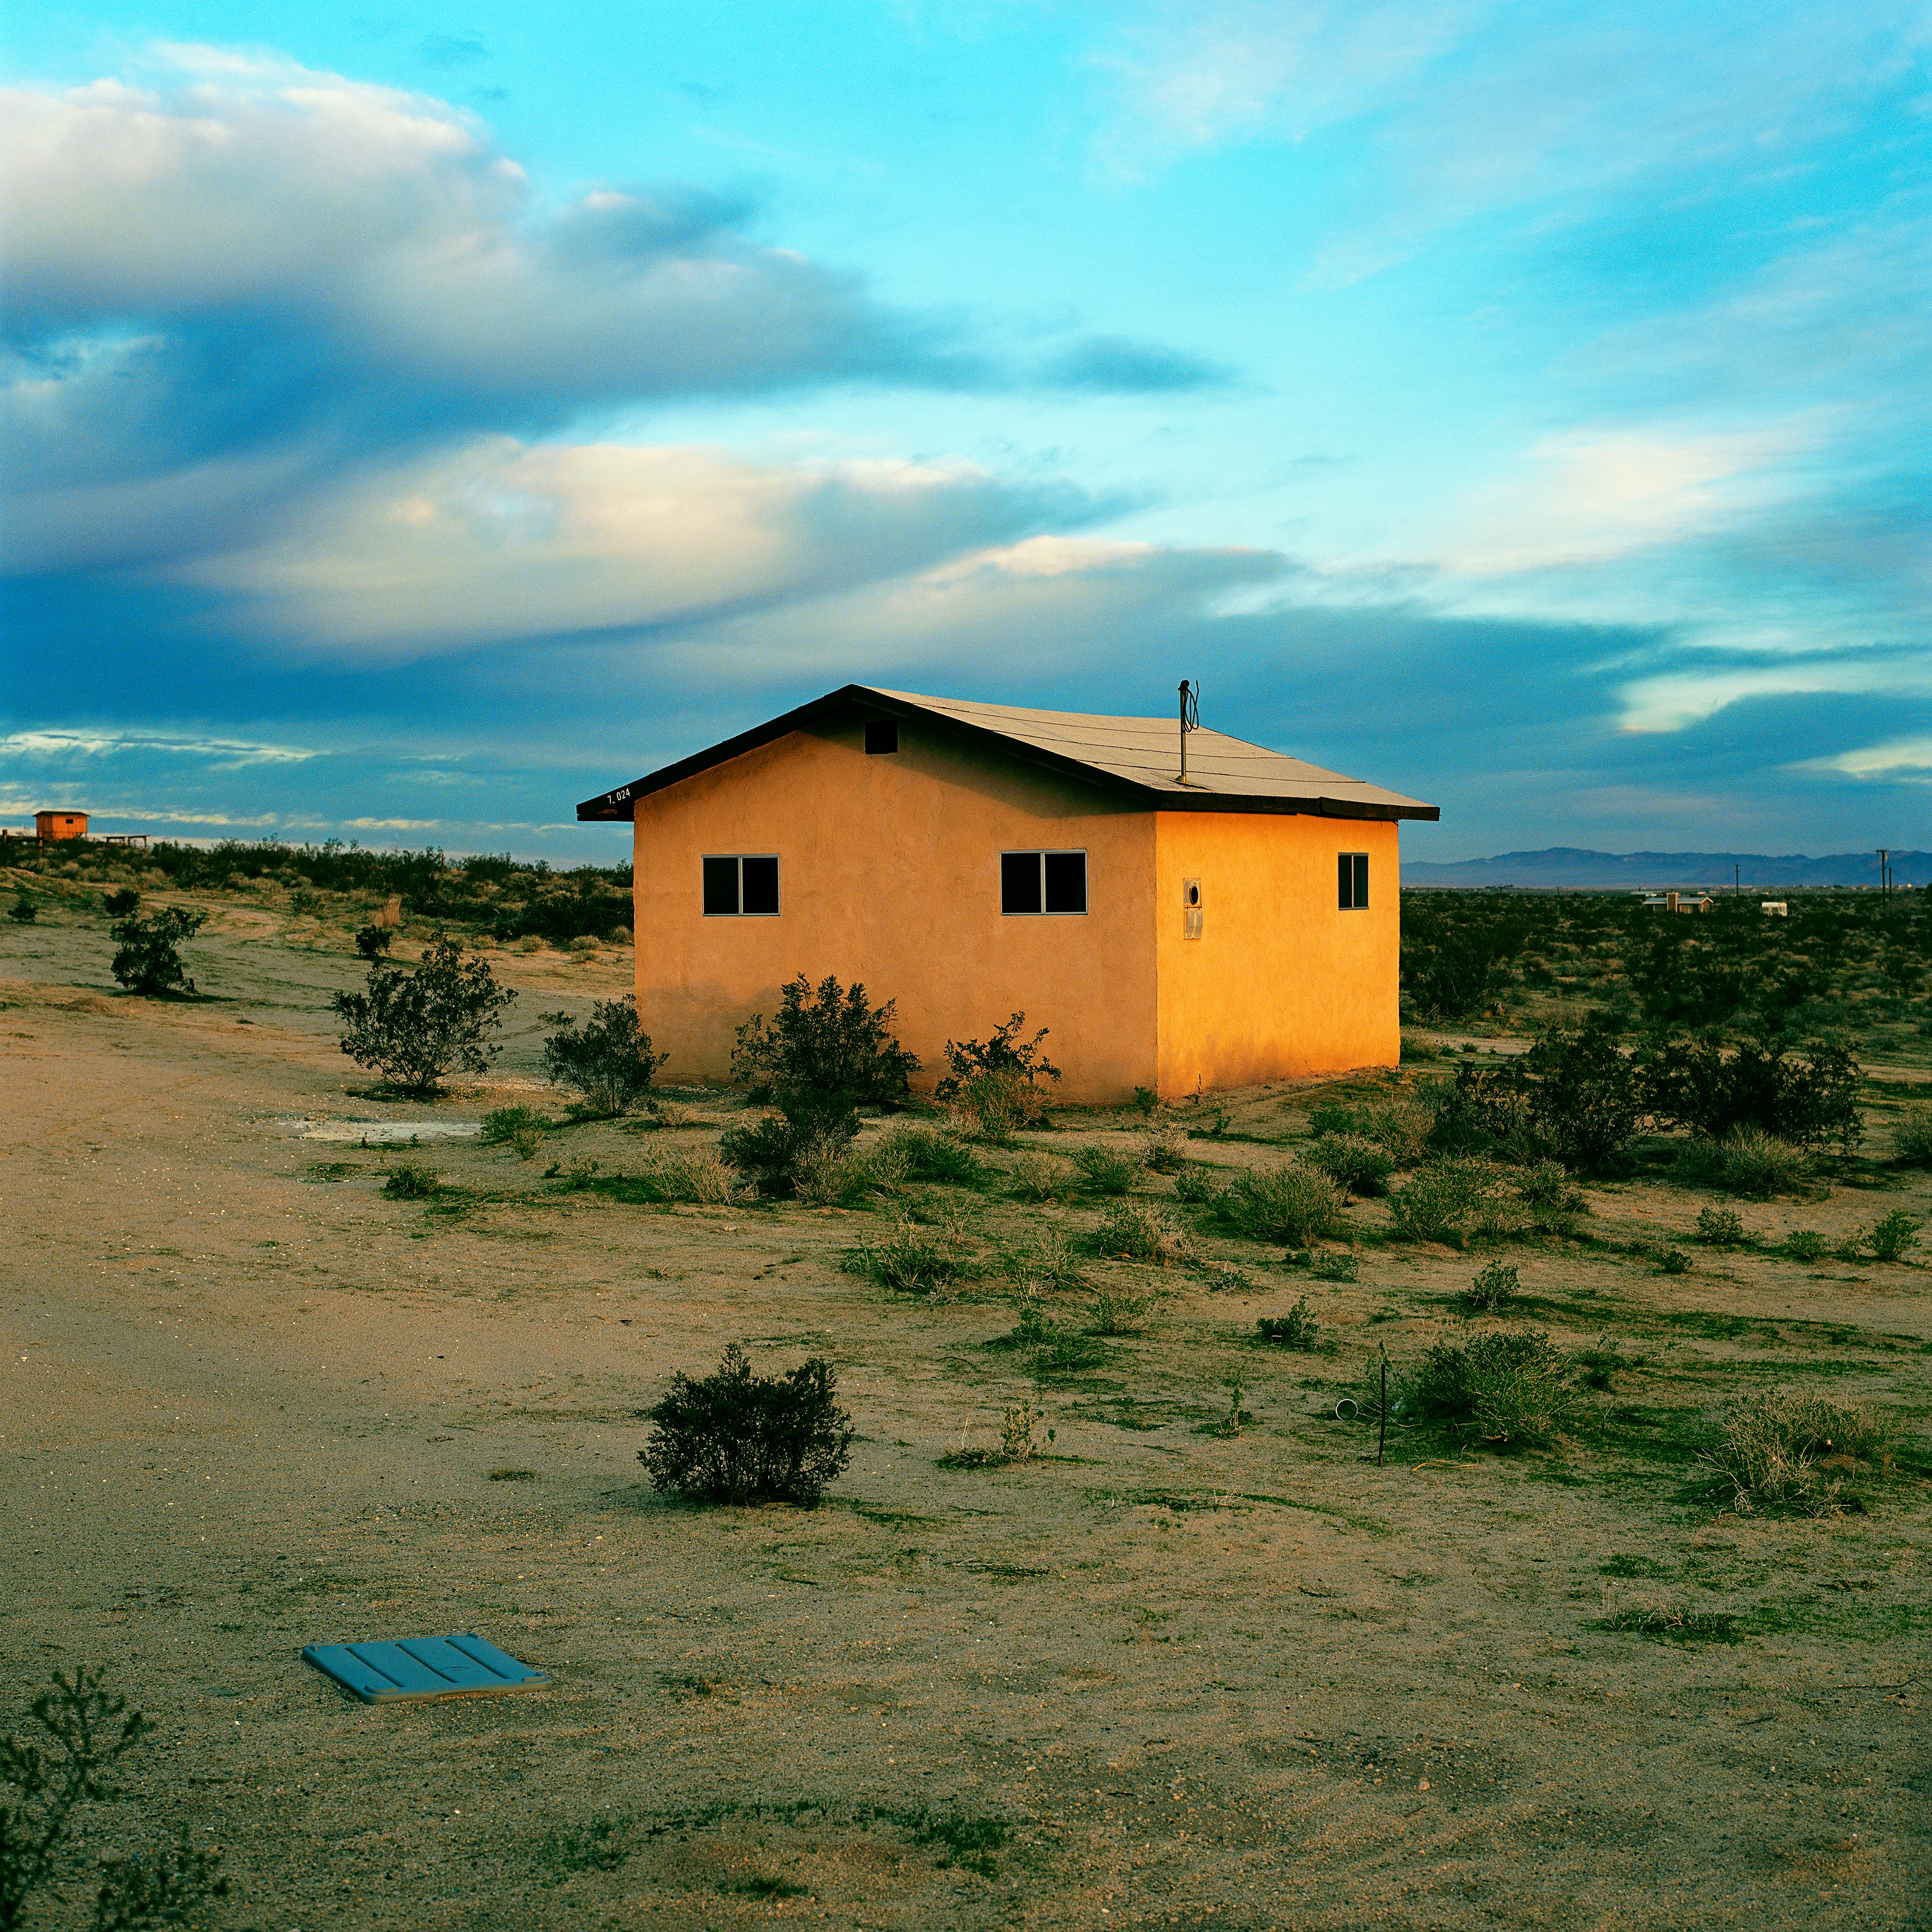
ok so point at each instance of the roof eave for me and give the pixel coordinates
(1316, 807)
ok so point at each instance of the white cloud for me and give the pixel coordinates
(1597, 493)
(233, 753)
(1899, 757)
(503, 540)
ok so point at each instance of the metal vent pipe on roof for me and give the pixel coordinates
(1190, 721)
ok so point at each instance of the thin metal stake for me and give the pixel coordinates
(1381, 1433)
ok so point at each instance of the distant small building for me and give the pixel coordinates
(61, 824)
(1679, 902)
(1775, 909)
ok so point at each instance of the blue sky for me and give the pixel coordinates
(418, 420)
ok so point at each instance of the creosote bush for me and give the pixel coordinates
(735, 1437)
(1194, 1185)
(1912, 1141)
(932, 1157)
(1793, 1451)
(1492, 1290)
(825, 1054)
(1509, 1389)
(1289, 1205)
(147, 961)
(1297, 1329)
(1806, 1244)
(1439, 1198)
(1354, 1163)
(412, 1180)
(606, 1058)
(993, 1085)
(119, 904)
(1893, 1238)
(23, 911)
(1720, 1228)
(414, 1027)
(519, 1129)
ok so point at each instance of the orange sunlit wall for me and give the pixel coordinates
(888, 873)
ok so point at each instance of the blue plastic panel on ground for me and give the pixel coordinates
(412, 1669)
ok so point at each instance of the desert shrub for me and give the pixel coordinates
(1492, 1290)
(932, 1157)
(1290, 1205)
(1912, 1142)
(738, 1438)
(1893, 1238)
(1807, 1100)
(1510, 1388)
(1355, 1164)
(1574, 1094)
(23, 911)
(1806, 1244)
(608, 1058)
(1160, 1152)
(699, 1175)
(1016, 1445)
(1674, 1261)
(373, 942)
(147, 961)
(1119, 1312)
(1330, 1117)
(514, 1126)
(1748, 1162)
(1104, 1172)
(911, 1260)
(1047, 1264)
(1333, 1265)
(1006, 1056)
(414, 1026)
(1041, 1176)
(1137, 1231)
(87, 1734)
(826, 1053)
(994, 1107)
(1455, 954)
(119, 904)
(1195, 1186)
(1401, 1130)
(1439, 1198)
(412, 1180)
(1672, 1620)
(1297, 1329)
(1546, 1184)
(1720, 1228)
(1786, 1450)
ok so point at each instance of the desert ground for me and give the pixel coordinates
(1155, 1675)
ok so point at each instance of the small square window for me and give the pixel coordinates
(736, 885)
(882, 735)
(1351, 870)
(1042, 882)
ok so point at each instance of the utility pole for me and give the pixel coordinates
(1737, 882)
(1883, 855)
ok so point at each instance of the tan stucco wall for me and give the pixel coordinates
(1282, 983)
(888, 873)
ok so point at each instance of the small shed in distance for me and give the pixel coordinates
(61, 824)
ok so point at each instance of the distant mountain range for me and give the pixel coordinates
(1560, 865)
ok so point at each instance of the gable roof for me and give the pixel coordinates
(1135, 759)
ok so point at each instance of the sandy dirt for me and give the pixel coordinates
(1160, 1676)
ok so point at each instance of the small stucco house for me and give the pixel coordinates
(973, 860)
